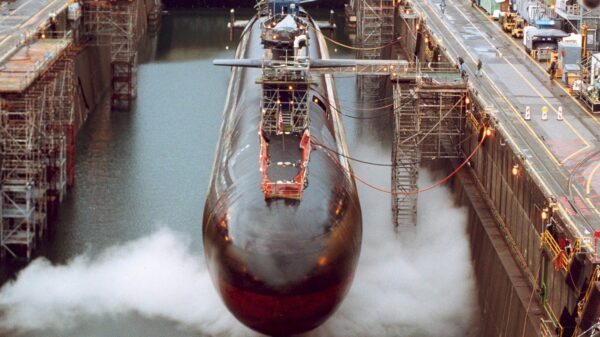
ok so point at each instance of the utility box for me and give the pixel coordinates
(569, 53)
(571, 72)
(492, 5)
(74, 12)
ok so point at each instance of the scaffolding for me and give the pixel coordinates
(405, 158)
(375, 29)
(113, 23)
(36, 88)
(285, 110)
(429, 121)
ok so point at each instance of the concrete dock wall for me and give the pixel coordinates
(503, 291)
(517, 272)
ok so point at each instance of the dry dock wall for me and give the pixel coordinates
(93, 65)
(92, 72)
(503, 291)
(517, 202)
(521, 288)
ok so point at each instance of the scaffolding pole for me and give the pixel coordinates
(113, 23)
(405, 159)
(429, 122)
(375, 28)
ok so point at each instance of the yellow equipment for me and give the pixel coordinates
(508, 21)
(517, 31)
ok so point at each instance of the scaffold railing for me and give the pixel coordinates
(560, 258)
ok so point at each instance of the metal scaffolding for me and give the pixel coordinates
(113, 23)
(375, 29)
(405, 158)
(36, 110)
(428, 124)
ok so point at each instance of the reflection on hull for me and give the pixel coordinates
(281, 266)
(278, 315)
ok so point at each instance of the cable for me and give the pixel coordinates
(530, 299)
(339, 111)
(417, 191)
(358, 117)
(385, 99)
(357, 48)
(354, 159)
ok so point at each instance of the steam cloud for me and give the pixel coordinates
(408, 284)
(418, 287)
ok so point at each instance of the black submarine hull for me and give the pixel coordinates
(281, 266)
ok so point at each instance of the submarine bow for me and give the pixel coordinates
(282, 221)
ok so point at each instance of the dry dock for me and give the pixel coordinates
(529, 178)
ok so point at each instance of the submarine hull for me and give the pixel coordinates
(281, 266)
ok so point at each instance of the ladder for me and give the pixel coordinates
(405, 160)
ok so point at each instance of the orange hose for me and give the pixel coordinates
(417, 191)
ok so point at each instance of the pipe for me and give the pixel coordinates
(297, 41)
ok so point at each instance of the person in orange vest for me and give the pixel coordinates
(560, 258)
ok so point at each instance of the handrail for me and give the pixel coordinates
(588, 292)
(289, 189)
(559, 256)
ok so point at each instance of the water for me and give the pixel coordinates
(148, 169)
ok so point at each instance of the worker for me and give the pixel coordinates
(463, 71)
(552, 69)
(577, 86)
(568, 247)
(479, 65)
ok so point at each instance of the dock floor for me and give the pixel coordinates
(23, 18)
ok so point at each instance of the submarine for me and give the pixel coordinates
(282, 222)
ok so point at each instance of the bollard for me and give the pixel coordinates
(545, 113)
(231, 23)
(331, 23)
(559, 114)
(527, 113)
(331, 18)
